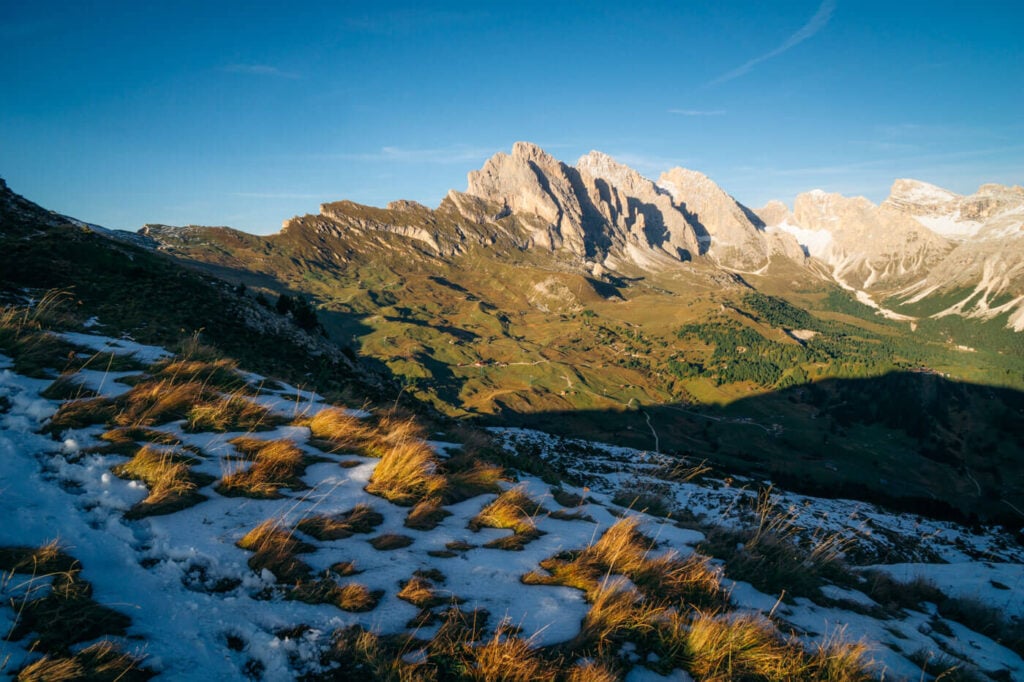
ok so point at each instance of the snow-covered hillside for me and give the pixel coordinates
(203, 607)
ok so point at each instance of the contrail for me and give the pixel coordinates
(816, 23)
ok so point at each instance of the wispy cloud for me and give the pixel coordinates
(440, 155)
(261, 70)
(697, 112)
(816, 23)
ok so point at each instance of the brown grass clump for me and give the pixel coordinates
(406, 474)
(67, 387)
(64, 615)
(591, 671)
(566, 498)
(100, 662)
(231, 413)
(741, 646)
(339, 430)
(274, 548)
(512, 509)
(276, 464)
(360, 519)
(221, 374)
(465, 482)
(172, 486)
(426, 515)
(355, 597)
(622, 549)
(360, 655)
(48, 558)
(420, 592)
(617, 612)
(159, 402)
(837, 660)
(510, 659)
(125, 440)
(352, 597)
(390, 541)
(77, 414)
(396, 428)
(23, 338)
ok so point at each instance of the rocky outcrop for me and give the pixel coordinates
(600, 209)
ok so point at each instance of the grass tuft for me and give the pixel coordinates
(360, 519)
(231, 413)
(274, 548)
(171, 484)
(276, 464)
(426, 515)
(100, 662)
(64, 615)
(339, 430)
(390, 541)
(407, 474)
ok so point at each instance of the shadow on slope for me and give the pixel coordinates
(916, 442)
(158, 299)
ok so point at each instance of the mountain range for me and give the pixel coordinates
(924, 251)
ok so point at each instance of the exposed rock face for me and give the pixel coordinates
(602, 209)
(531, 181)
(922, 241)
(602, 217)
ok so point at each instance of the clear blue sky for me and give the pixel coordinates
(248, 113)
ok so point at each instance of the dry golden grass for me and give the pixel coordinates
(478, 478)
(64, 615)
(77, 414)
(591, 671)
(355, 597)
(22, 336)
(352, 597)
(360, 519)
(617, 612)
(339, 429)
(621, 549)
(221, 374)
(835, 659)
(396, 427)
(406, 474)
(36, 561)
(509, 659)
(426, 515)
(276, 464)
(390, 541)
(664, 580)
(512, 509)
(420, 593)
(158, 402)
(741, 646)
(360, 655)
(693, 581)
(274, 547)
(67, 386)
(98, 662)
(774, 555)
(231, 413)
(126, 440)
(171, 484)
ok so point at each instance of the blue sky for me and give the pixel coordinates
(246, 114)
